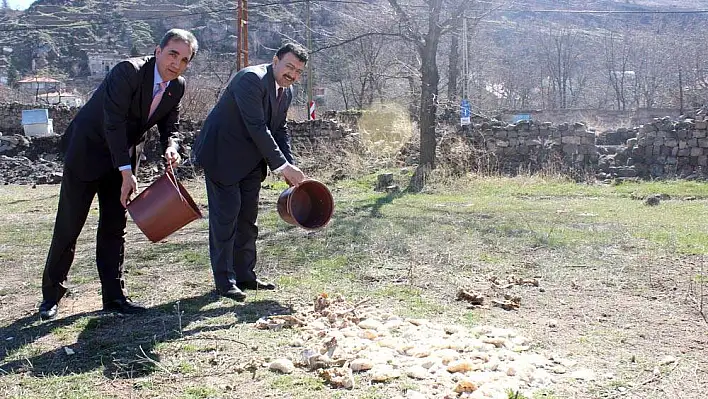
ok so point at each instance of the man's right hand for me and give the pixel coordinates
(128, 187)
(293, 175)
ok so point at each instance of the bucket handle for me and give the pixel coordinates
(173, 179)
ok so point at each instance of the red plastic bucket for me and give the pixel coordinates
(309, 205)
(163, 208)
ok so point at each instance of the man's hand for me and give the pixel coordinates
(129, 186)
(172, 157)
(293, 175)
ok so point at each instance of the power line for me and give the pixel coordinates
(560, 11)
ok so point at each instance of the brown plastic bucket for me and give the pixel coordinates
(309, 205)
(163, 208)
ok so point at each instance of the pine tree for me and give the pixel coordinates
(5, 5)
(12, 75)
(134, 51)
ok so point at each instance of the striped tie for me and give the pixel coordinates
(156, 97)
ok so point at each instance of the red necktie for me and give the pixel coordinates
(280, 94)
(156, 97)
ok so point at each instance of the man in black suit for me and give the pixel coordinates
(100, 158)
(244, 132)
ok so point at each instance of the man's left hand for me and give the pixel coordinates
(172, 157)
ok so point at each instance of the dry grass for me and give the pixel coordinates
(620, 288)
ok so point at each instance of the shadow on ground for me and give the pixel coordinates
(122, 345)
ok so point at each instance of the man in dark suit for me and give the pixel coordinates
(100, 158)
(244, 132)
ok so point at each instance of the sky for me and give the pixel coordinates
(19, 4)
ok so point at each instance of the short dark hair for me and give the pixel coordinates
(183, 36)
(299, 51)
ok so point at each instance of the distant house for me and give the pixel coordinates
(54, 98)
(38, 84)
(100, 64)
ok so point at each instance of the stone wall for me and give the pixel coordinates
(331, 123)
(530, 146)
(659, 149)
(662, 148)
(668, 148)
(11, 117)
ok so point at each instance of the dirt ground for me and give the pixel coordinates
(625, 312)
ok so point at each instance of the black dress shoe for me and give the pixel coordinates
(234, 293)
(48, 309)
(123, 306)
(255, 285)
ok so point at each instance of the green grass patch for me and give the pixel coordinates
(297, 383)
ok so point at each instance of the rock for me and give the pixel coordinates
(583, 374)
(653, 200)
(411, 394)
(284, 366)
(417, 372)
(338, 377)
(417, 322)
(370, 324)
(361, 365)
(383, 373)
(668, 360)
(463, 366)
(466, 385)
(558, 369)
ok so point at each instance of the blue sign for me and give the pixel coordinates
(32, 116)
(522, 117)
(465, 112)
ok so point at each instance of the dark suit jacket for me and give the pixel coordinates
(116, 119)
(246, 126)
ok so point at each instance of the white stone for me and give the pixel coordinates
(383, 373)
(370, 324)
(284, 366)
(417, 372)
(583, 374)
(411, 394)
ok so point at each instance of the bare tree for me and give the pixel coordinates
(561, 53)
(424, 26)
(620, 76)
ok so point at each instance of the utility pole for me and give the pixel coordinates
(310, 103)
(242, 35)
(680, 77)
(465, 60)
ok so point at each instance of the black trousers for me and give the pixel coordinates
(75, 200)
(233, 210)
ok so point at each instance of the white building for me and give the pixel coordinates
(38, 84)
(100, 64)
(69, 99)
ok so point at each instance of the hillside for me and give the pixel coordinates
(69, 30)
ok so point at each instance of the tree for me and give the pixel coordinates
(423, 27)
(134, 52)
(619, 75)
(12, 76)
(5, 5)
(561, 53)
